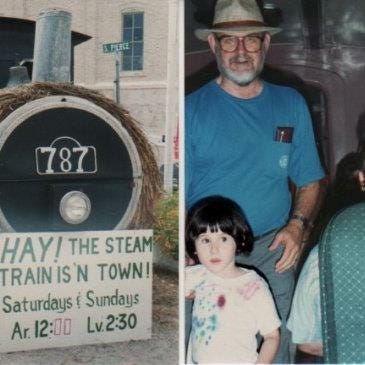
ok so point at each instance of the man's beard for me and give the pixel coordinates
(239, 78)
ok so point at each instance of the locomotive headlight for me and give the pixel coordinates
(75, 207)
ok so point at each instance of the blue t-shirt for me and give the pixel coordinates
(231, 150)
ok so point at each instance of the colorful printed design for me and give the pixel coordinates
(249, 290)
(221, 301)
(204, 326)
(283, 162)
(210, 305)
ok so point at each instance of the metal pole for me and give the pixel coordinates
(171, 92)
(117, 78)
(52, 46)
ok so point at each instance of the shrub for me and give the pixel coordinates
(166, 229)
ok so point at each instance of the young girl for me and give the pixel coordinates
(231, 304)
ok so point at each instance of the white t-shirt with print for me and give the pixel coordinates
(227, 315)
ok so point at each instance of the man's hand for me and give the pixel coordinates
(306, 203)
(290, 237)
(313, 348)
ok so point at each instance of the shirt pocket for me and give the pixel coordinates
(277, 159)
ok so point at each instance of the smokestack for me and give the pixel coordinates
(52, 46)
(18, 75)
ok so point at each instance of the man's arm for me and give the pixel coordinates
(307, 201)
(313, 348)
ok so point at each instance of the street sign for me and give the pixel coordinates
(115, 47)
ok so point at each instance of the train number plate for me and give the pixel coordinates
(65, 155)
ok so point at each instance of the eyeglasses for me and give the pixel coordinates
(251, 43)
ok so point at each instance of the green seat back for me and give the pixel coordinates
(342, 283)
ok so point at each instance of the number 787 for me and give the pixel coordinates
(65, 155)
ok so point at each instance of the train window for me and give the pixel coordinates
(317, 106)
(344, 22)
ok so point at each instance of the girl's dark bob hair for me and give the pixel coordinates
(216, 212)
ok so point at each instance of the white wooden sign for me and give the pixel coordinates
(73, 288)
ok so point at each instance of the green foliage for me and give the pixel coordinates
(166, 229)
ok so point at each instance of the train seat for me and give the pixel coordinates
(342, 280)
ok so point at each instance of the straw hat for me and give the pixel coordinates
(235, 17)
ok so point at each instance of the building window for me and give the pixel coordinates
(133, 33)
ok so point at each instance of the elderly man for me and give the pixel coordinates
(245, 138)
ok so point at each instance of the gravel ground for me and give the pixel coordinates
(161, 349)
